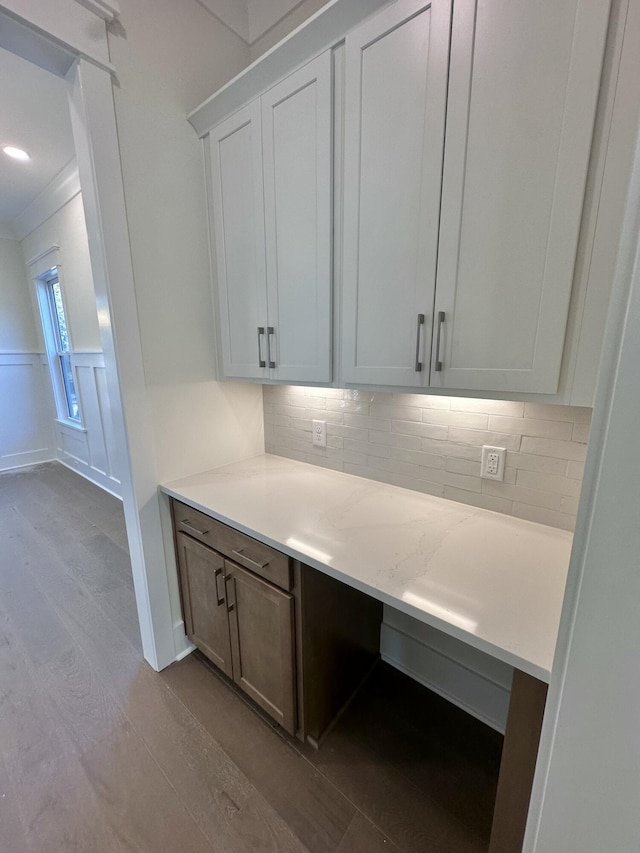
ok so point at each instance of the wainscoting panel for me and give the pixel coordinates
(26, 437)
(89, 450)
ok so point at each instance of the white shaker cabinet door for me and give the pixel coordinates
(297, 144)
(238, 216)
(523, 87)
(395, 97)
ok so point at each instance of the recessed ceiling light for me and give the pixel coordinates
(16, 153)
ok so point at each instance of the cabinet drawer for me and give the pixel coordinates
(242, 549)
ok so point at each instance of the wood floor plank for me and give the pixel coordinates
(363, 837)
(315, 810)
(99, 753)
(222, 801)
(12, 832)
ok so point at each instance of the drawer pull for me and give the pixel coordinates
(219, 598)
(186, 523)
(253, 563)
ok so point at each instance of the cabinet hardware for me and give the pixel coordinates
(186, 523)
(261, 361)
(438, 366)
(230, 604)
(270, 332)
(219, 598)
(420, 324)
(253, 563)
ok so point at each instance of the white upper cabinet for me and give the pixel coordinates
(271, 178)
(465, 194)
(297, 145)
(235, 148)
(395, 102)
(523, 87)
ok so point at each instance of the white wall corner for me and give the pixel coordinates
(184, 646)
(64, 187)
(233, 13)
(6, 232)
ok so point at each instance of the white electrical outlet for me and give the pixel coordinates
(493, 459)
(319, 433)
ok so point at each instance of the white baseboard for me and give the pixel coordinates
(25, 460)
(183, 644)
(91, 474)
(470, 679)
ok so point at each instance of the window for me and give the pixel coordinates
(62, 349)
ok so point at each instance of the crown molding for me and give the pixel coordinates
(55, 195)
(108, 10)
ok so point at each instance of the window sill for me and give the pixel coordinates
(71, 424)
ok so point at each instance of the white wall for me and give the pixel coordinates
(18, 329)
(170, 57)
(261, 15)
(90, 448)
(67, 229)
(25, 434)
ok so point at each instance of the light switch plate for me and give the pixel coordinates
(493, 459)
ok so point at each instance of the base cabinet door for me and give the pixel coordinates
(203, 598)
(261, 620)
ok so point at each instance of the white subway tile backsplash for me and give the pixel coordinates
(575, 470)
(549, 483)
(489, 407)
(423, 430)
(529, 426)
(432, 444)
(581, 433)
(552, 447)
(468, 420)
(480, 437)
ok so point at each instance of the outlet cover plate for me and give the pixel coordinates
(319, 433)
(493, 459)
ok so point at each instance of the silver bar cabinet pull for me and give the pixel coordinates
(219, 598)
(261, 361)
(420, 324)
(438, 366)
(186, 522)
(237, 553)
(270, 332)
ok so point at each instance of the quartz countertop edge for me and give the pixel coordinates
(493, 581)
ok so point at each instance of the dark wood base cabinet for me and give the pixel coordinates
(296, 641)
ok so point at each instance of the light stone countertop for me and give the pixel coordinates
(490, 580)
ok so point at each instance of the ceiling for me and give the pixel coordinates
(34, 115)
(250, 19)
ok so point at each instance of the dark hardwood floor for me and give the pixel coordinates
(100, 753)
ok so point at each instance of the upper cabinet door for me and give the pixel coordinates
(524, 80)
(297, 141)
(238, 215)
(395, 98)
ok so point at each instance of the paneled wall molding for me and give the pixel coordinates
(89, 448)
(64, 187)
(26, 437)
